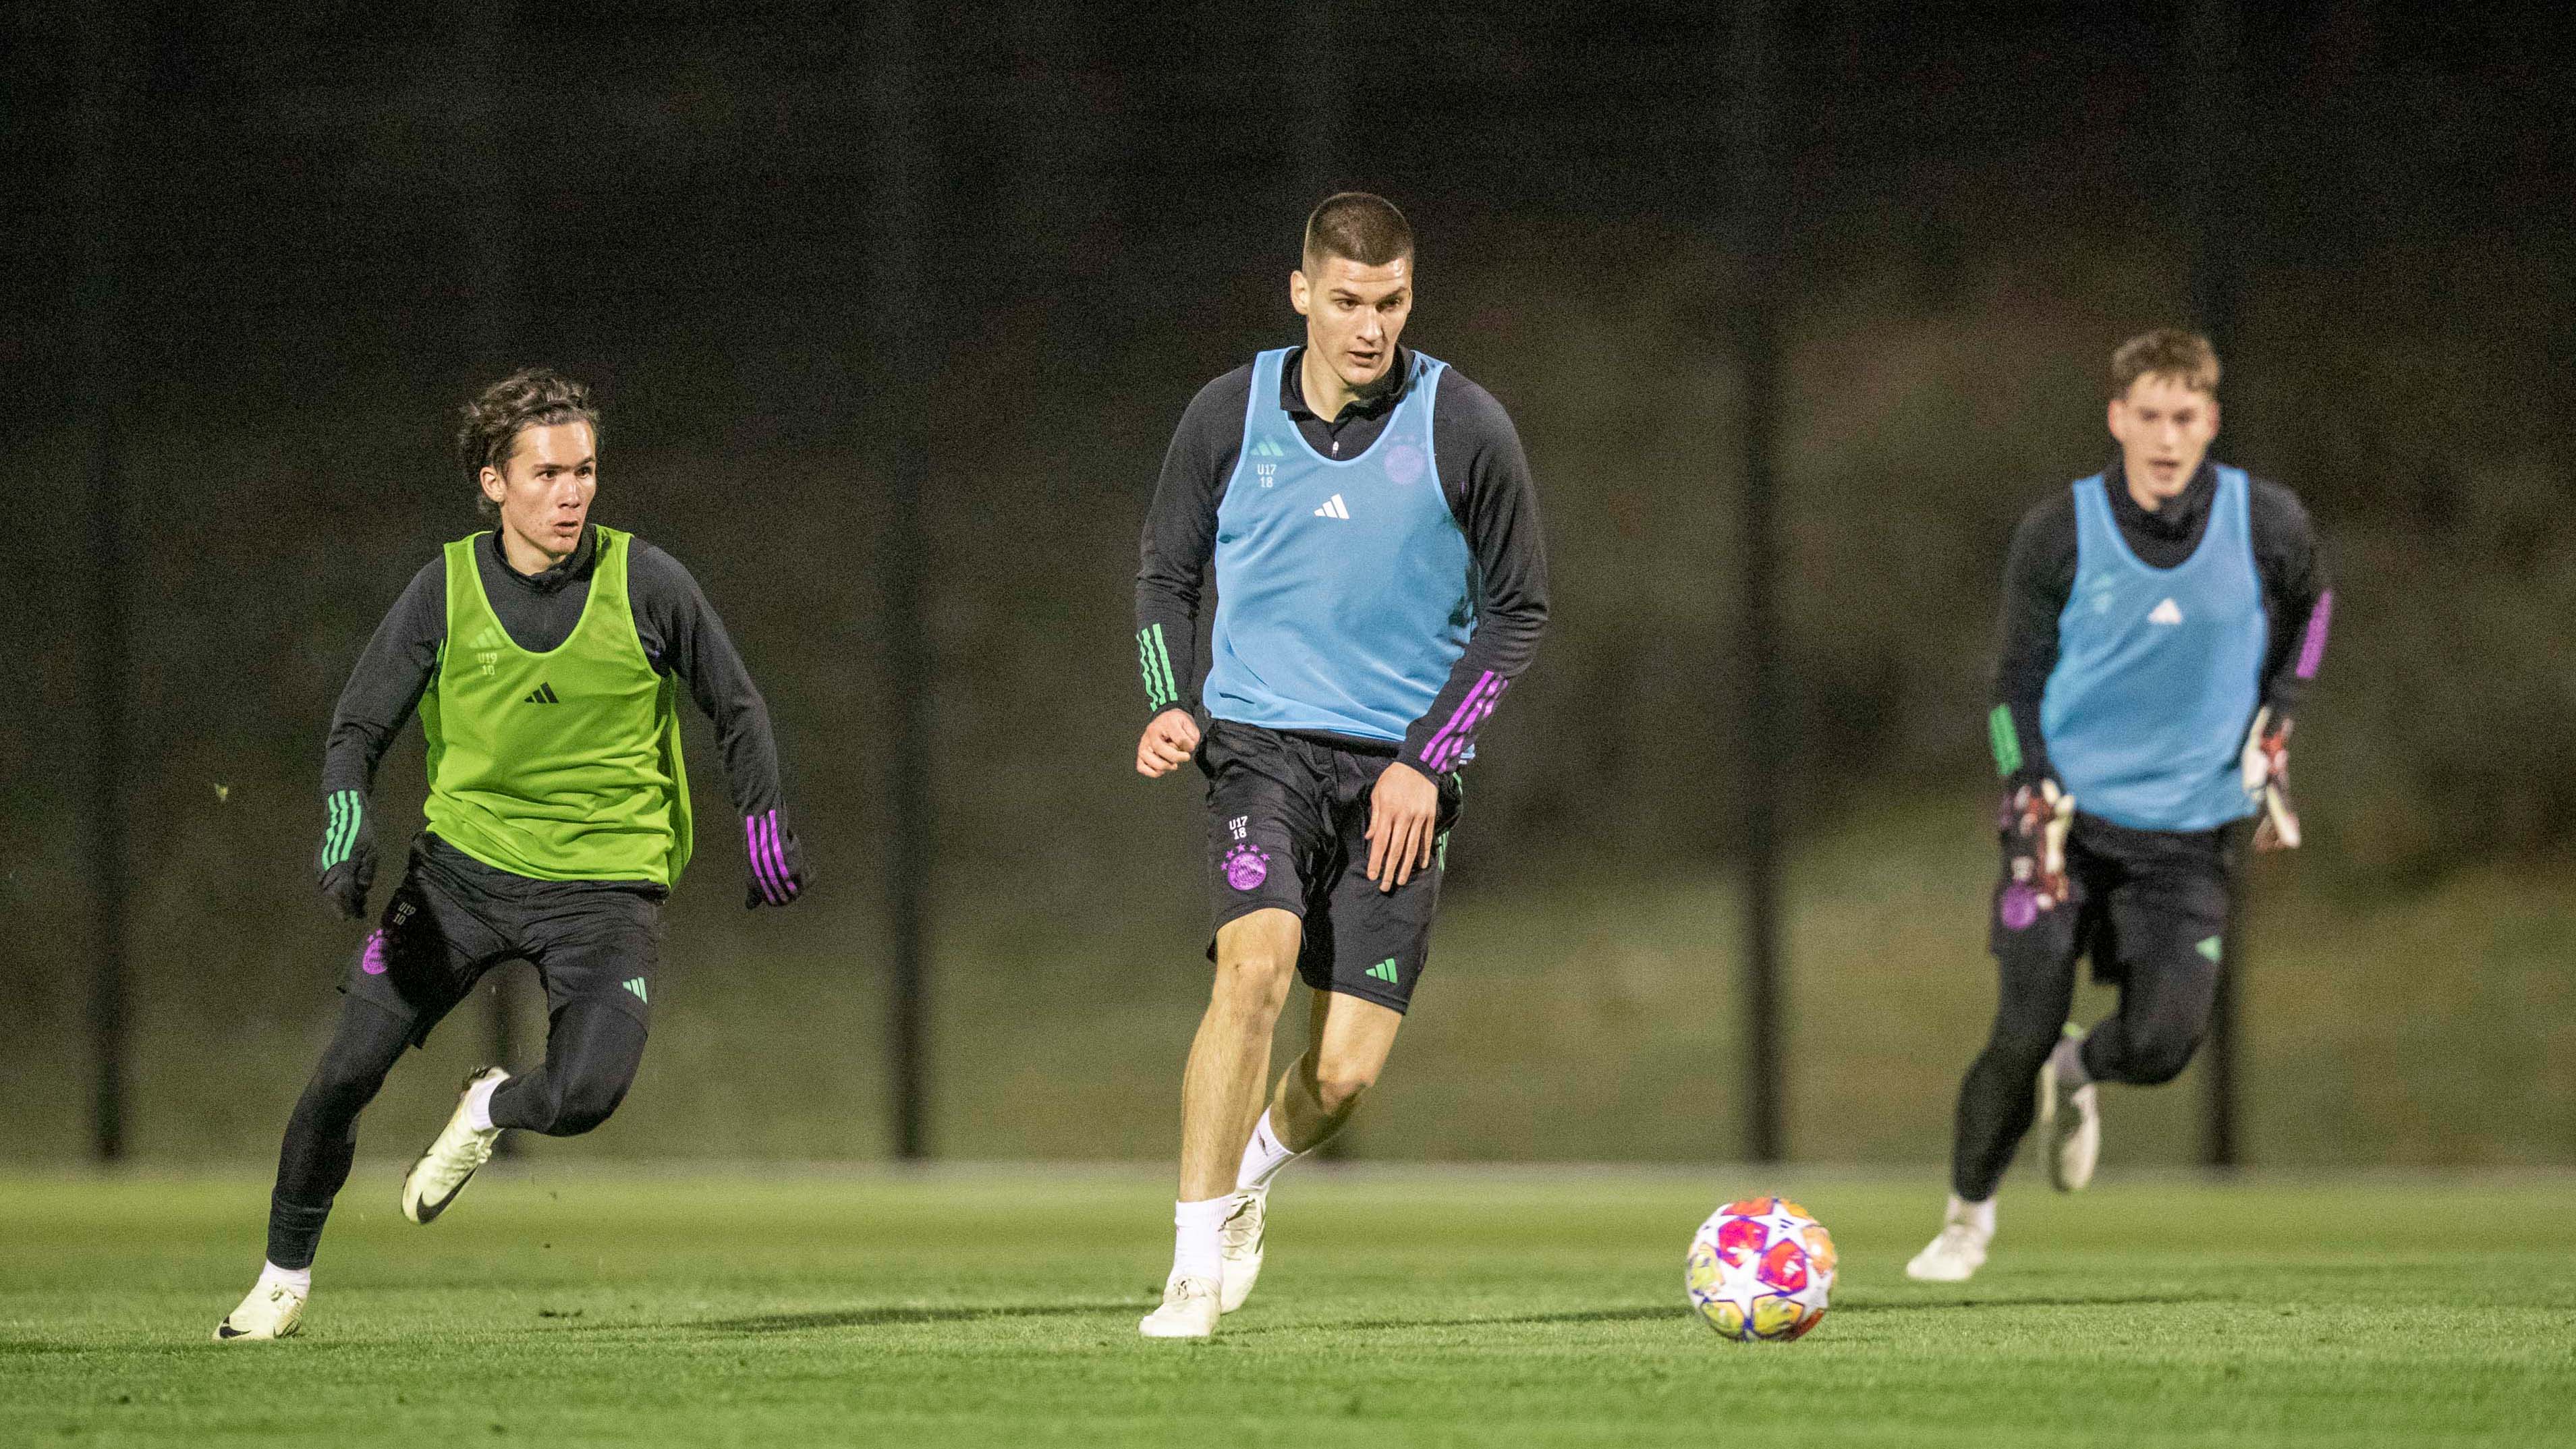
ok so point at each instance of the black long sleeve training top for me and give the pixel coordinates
(673, 620)
(2039, 574)
(1483, 474)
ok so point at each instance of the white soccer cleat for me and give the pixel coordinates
(451, 1159)
(1189, 1310)
(2075, 1140)
(2070, 1129)
(1953, 1257)
(1240, 1237)
(273, 1310)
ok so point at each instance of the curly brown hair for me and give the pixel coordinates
(488, 427)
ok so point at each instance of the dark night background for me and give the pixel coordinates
(258, 255)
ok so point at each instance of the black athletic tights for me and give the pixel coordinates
(592, 1049)
(2151, 906)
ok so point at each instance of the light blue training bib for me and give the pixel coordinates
(1345, 587)
(2158, 670)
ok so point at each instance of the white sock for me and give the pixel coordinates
(1978, 1215)
(478, 1103)
(299, 1279)
(1263, 1156)
(1195, 1250)
(2068, 1058)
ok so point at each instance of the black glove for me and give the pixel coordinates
(777, 865)
(346, 863)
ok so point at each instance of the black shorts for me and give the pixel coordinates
(452, 918)
(2139, 901)
(1288, 823)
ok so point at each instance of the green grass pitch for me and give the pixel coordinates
(1461, 1306)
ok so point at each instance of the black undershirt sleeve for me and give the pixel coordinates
(2297, 595)
(1487, 479)
(382, 691)
(1179, 541)
(682, 635)
(2039, 574)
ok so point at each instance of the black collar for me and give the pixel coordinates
(2179, 516)
(1380, 398)
(572, 570)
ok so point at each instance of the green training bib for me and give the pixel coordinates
(563, 765)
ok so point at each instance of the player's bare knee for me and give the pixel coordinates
(1339, 1079)
(1255, 980)
(1338, 1085)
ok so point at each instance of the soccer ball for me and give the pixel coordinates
(1760, 1269)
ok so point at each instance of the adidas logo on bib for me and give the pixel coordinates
(2167, 612)
(1334, 507)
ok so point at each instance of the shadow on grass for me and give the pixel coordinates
(913, 1315)
(1579, 1315)
(1911, 1305)
(1679, 1311)
(881, 1316)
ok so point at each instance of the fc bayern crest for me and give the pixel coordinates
(1246, 867)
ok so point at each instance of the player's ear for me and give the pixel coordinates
(493, 486)
(1301, 293)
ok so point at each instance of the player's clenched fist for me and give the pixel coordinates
(1169, 741)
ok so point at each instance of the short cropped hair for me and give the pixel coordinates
(1358, 227)
(2186, 357)
(489, 427)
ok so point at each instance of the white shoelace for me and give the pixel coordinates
(477, 1149)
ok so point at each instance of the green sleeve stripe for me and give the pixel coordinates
(346, 811)
(1156, 662)
(1999, 726)
(1163, 662)
(1145, 666)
